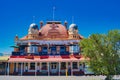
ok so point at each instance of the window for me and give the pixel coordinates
(71, 49)
(34, 49)
(53, 65)
(32, 66)
(75, 65)
(74, 49)
(62, 49)
(63, 65)
(44, 50)
(53, 50)
(44, 66)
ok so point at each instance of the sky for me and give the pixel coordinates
(91, 16)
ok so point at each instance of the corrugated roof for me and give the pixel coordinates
(4, 58)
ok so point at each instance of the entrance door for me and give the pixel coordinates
(53, 67)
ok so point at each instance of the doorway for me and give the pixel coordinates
(54, 67)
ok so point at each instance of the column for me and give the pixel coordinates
(28, 66)
(71, 69)
(35, 68)
(58, 49)
(21, 68)
(78, 65)
(8, 69)
(24, 67)
(66, 68)
(59, 67)
(40, 67)
(48, 69)
(67, 65)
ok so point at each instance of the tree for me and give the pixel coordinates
(103, 51)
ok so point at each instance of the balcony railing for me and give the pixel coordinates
(42, 53)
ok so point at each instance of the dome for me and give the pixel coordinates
(33, 29)
(58, 29)
(34, 26)
(73, 26)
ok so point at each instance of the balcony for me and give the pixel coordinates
(42, 53)
(15, 53)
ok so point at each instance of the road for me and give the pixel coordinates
(55, 77)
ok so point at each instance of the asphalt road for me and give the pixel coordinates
(55, 77)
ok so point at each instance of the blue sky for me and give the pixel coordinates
(91, 16)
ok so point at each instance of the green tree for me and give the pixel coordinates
(104, 53)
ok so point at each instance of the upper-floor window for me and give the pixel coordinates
(44, 49)
(62, 49)
(74, 48)
(32, 49)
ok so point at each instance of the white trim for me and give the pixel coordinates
(41, 42)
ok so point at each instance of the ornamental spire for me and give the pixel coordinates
(53, 13)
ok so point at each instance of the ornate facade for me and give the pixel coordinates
(51, 49)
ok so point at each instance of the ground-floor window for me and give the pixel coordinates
(75, 65)
(32, 66)
(63, 65)
(53, 65)
(2, 67)
(44, 66)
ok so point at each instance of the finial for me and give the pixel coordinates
(41, 24)
(53, 12)
(65, 23)
(72, 19)
(33, 19)
(16, 37)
